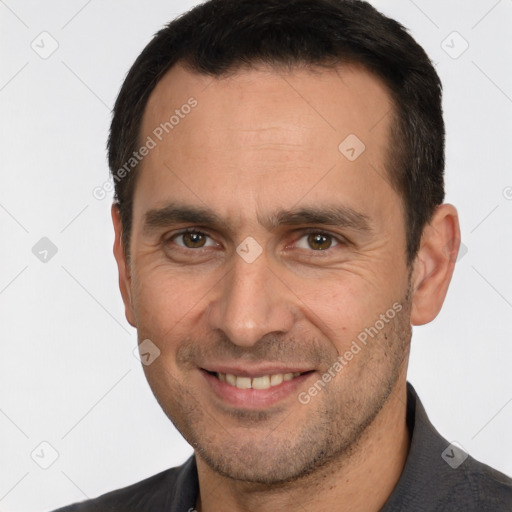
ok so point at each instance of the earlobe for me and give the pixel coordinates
(122, 265)
(434, 264)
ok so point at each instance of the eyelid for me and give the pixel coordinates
(300, 233)
(184, 231)
(340, 240)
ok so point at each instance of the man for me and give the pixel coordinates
(280, 227)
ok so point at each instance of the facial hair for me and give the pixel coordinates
(273, 447)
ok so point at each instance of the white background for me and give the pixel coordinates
(67, 372)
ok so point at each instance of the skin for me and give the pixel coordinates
(261, 141)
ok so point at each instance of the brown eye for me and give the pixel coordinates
(192, 240)
(319, 241)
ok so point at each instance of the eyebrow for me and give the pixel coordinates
(175, 213)
(339, 216)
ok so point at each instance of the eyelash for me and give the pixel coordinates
(184, 232)
(340, 241)
(311, 231)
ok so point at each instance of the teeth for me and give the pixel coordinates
(276, 379)
(260, 382)
(243, 382)
(263, 382)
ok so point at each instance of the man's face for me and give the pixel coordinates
(294, 247)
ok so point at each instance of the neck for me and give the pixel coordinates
(360, 481)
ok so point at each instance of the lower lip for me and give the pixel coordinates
(255, 398)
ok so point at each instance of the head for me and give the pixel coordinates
(285, 213)
(219, 38)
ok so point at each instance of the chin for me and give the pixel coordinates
(270, 459)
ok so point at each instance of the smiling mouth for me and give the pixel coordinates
(262, 382)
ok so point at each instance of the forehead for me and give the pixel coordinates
(262, 136)
(346, 97)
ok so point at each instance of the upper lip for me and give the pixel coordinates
(255, 371)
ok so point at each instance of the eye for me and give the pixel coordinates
(317, 241)
(192, 240)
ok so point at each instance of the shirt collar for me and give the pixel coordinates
(423, 467)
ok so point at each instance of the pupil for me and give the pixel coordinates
(320, 242)
(194, 239)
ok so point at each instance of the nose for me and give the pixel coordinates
(251, 302)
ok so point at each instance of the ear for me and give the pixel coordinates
(434, 264)
(122, 265)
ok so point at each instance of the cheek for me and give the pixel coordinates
(165, 302)
(345, 298)
(347, 307)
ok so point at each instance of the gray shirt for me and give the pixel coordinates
(437, 476)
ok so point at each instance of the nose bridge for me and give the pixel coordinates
(251, 303)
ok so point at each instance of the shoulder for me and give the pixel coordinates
(473, 486)
(440, 476)
(154, 493)
(491, 489)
